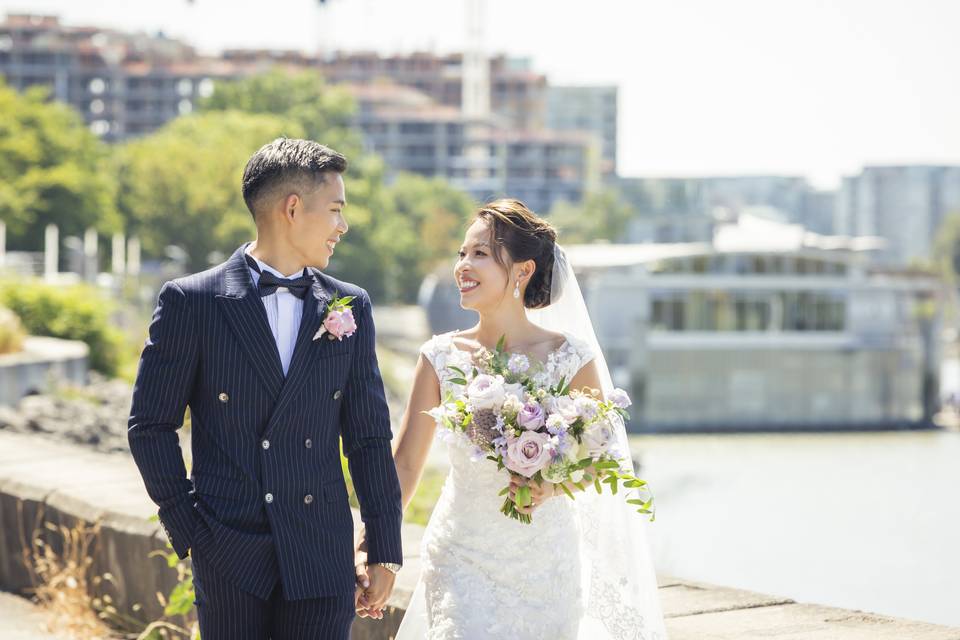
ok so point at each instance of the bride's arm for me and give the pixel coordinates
(411, 446)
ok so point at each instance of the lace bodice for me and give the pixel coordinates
(485, 575)
(563, 362)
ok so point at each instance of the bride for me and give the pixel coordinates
(582, 569)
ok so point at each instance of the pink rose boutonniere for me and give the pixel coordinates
(338, 323)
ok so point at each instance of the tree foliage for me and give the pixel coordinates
(322, 112)
(52, 170)
(181, 185)
(602, 216)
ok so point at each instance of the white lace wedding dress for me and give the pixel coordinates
(484, 575)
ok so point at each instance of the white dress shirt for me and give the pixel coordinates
(284, 311)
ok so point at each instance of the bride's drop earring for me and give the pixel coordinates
(516, 290)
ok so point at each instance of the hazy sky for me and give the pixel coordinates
(811, 87)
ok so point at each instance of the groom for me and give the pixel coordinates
(273, 379)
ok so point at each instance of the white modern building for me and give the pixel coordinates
(764, 327)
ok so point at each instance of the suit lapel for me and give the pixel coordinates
(245, 314)
(314, 310)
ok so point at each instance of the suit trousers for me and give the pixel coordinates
(226, 612)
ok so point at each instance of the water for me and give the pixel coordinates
(865, 521)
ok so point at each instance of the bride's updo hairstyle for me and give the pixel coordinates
(522, 235)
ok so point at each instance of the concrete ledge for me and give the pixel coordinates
(41, 480)
(802, 622)
(41, 361)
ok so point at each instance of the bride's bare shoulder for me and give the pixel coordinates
(548, 339)
(465, 340)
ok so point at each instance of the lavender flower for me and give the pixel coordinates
(556, 424)
(620, 398)
(518, 364)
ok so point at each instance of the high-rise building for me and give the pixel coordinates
(517, 94)
(122, 84)
(904, 204)
(673, 209)
(588, 109)
(412, 107)
(413, 133)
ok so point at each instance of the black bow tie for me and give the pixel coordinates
(269, 283)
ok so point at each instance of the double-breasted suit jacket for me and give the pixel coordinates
(266, 498)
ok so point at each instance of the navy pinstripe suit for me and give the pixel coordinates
(266, 500)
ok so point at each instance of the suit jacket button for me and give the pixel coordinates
(268, 498)
(308, 443)
(337, 394)
(223, 397)
(307, 499)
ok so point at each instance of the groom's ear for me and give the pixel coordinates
(290, 205)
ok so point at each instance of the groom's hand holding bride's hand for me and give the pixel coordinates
(374, 597)
(539, 492)
(374, 584)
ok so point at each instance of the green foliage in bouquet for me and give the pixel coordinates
(595, 472)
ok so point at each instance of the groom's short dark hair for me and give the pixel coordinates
(287, 163)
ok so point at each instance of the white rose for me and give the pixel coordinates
(598, 438)
(567, 408)
(486, 392)
(512, 405)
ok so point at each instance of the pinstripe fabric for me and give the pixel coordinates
(228, 613)
(210, 347)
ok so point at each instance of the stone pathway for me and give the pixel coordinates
(80, 481)
(20, 619)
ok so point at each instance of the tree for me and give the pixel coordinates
(324, 113)
(182, 184)
(384, 250)
(426, 223)
(52, 170)
(603, 215)
(946, 263)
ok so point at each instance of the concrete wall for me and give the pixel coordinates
(48, 481)
(41, 362)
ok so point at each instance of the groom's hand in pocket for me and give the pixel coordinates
(375, 597)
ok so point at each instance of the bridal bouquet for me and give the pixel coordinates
(557, 435)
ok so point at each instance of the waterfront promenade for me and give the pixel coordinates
(67, 482)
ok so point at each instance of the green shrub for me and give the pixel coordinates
(73, 312)
(11, 331)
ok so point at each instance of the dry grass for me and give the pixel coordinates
(60, 571)
(11, 331)
(59, 559)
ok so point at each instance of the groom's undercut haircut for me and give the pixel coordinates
(287, 165)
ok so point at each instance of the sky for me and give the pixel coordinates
(817, 88)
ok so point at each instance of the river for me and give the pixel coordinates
(865, 521)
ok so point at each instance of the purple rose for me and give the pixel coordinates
(531, 416)
(528, 454)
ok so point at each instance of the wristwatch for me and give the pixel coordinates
(392, 567)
